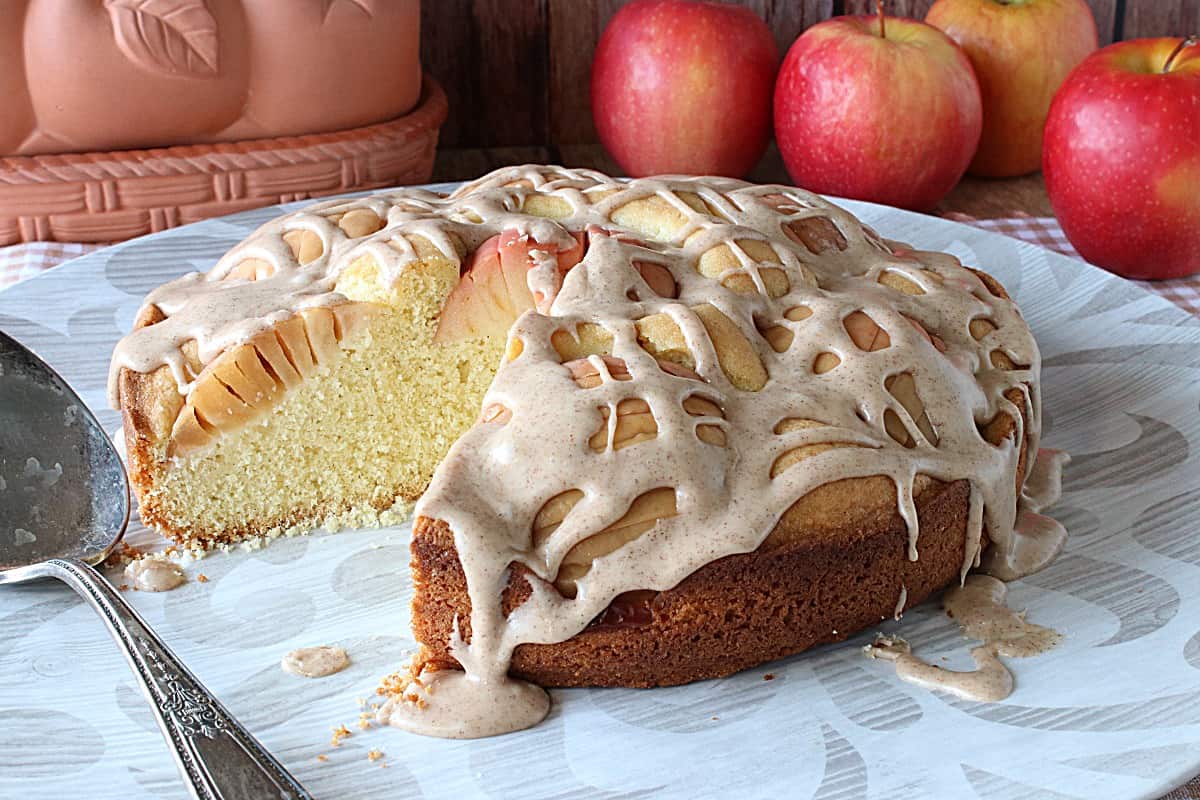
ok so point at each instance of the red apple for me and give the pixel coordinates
(1022, 51)
(1122, 158)
(684, 87)
(875, 108)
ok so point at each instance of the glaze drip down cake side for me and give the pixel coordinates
(661, 430)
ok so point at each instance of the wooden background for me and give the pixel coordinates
(516, 71)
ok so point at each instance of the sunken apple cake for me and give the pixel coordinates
(665, 429)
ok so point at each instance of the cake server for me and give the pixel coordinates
(64, 505)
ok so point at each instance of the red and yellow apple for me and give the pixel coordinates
(875, 108)
(684, 87)
(1122, 158)
(1022, 51)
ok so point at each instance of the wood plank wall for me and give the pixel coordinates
(516, 71)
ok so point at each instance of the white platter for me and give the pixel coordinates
(1113, 712)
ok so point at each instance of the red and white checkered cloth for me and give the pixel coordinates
(26, 260)
(22, 261)
(1044, 231)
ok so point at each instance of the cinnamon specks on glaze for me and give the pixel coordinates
(1037, 539)
(776, 305)
(978, 603)
(153, 573)
(315, 662)
(989, 682)
(901, 602)
(978, 608)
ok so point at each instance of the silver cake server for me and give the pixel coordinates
(64, 505)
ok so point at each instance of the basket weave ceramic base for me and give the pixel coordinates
(105, 197)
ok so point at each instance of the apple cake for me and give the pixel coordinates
(666, 429)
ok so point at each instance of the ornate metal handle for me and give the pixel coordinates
(219, 759)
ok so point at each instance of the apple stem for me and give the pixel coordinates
(879, 11)
(1188, 42)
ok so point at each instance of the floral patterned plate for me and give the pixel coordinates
(1114, 711)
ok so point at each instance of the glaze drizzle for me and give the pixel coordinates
(773, 343)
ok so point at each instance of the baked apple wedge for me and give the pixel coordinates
(495, 287)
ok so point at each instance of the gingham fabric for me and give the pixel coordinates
(26, 260)
(22, 261)
(1044, 231)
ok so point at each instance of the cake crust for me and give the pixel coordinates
(806, 585)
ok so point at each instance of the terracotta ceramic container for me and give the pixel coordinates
(313, 97)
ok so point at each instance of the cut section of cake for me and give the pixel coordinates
(319, 373)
